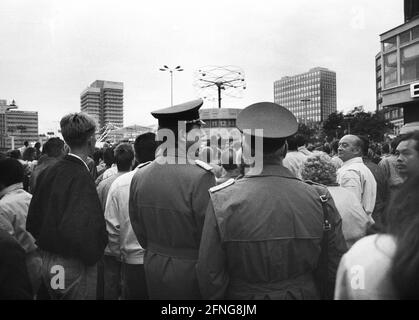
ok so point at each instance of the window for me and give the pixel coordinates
(404, 37)
(409, 60)
(390, 69)
(415, 33)
(390, 44)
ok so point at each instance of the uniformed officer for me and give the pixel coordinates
(262, 234)
(168, 201)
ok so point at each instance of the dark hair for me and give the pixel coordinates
(29, 154)
(124, 156)
(37, 145)
(403, 224)
(26, 143)
(385, 148)
(414, 135)
(11, 171)
(394, 144)
(326, 148)
(145, 146)
(109, 156)
(300, 140)
(53, 147)
(292, 143)
(97, 155)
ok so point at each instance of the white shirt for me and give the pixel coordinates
(364, 271)
(355, 176)
(110, 172)
(355, 220)
(122, 242)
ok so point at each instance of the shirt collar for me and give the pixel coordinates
(76, 156)
(13, 187)
(353, 160)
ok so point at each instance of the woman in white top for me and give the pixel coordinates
(355, 221)
(386, 266)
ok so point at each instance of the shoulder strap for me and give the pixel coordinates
(229, 182)
(203, 165)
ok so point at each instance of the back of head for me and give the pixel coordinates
(124, 156)
(109, 156)
(320, 169)
(300, 140)
(26, 143)
(145, 146)
(77, 128)
(11, 172)
(54, 147)
(29, 154)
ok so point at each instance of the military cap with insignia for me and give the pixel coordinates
(276, 121)
(188, 112)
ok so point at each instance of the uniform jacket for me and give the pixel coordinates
(65, 215)
(167, 208)
(262, 239)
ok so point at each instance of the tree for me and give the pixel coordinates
(357, 122)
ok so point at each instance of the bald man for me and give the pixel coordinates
(354, 175)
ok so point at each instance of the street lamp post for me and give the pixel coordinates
(166, 68)
(305, 109)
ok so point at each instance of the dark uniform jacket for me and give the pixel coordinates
(262, 239)
(167, 211)
(65, 216)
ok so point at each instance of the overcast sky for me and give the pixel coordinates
(50, 50)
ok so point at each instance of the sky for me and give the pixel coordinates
(51, 50)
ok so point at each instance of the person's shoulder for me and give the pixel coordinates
(223, 187)
(382, 245)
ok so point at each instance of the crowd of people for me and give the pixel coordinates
(137, 221)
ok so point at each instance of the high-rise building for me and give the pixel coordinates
(399, 58)
(16, 127)
(103, 100)
(392, 114)
(22, 126)
(310, 96)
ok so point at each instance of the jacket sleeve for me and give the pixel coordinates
(336, 246)
(212, 274)
(83, 223)
(201, 198)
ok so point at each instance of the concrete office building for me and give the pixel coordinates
(400, 68)
(16, 127)
(310, 96)
(103, 100)
(392, 114)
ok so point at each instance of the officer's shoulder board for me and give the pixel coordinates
(203, 165)
(143, 164)
(229, 182)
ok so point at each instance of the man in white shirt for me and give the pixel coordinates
(294, 160)
(354, 175)
(123, 242)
